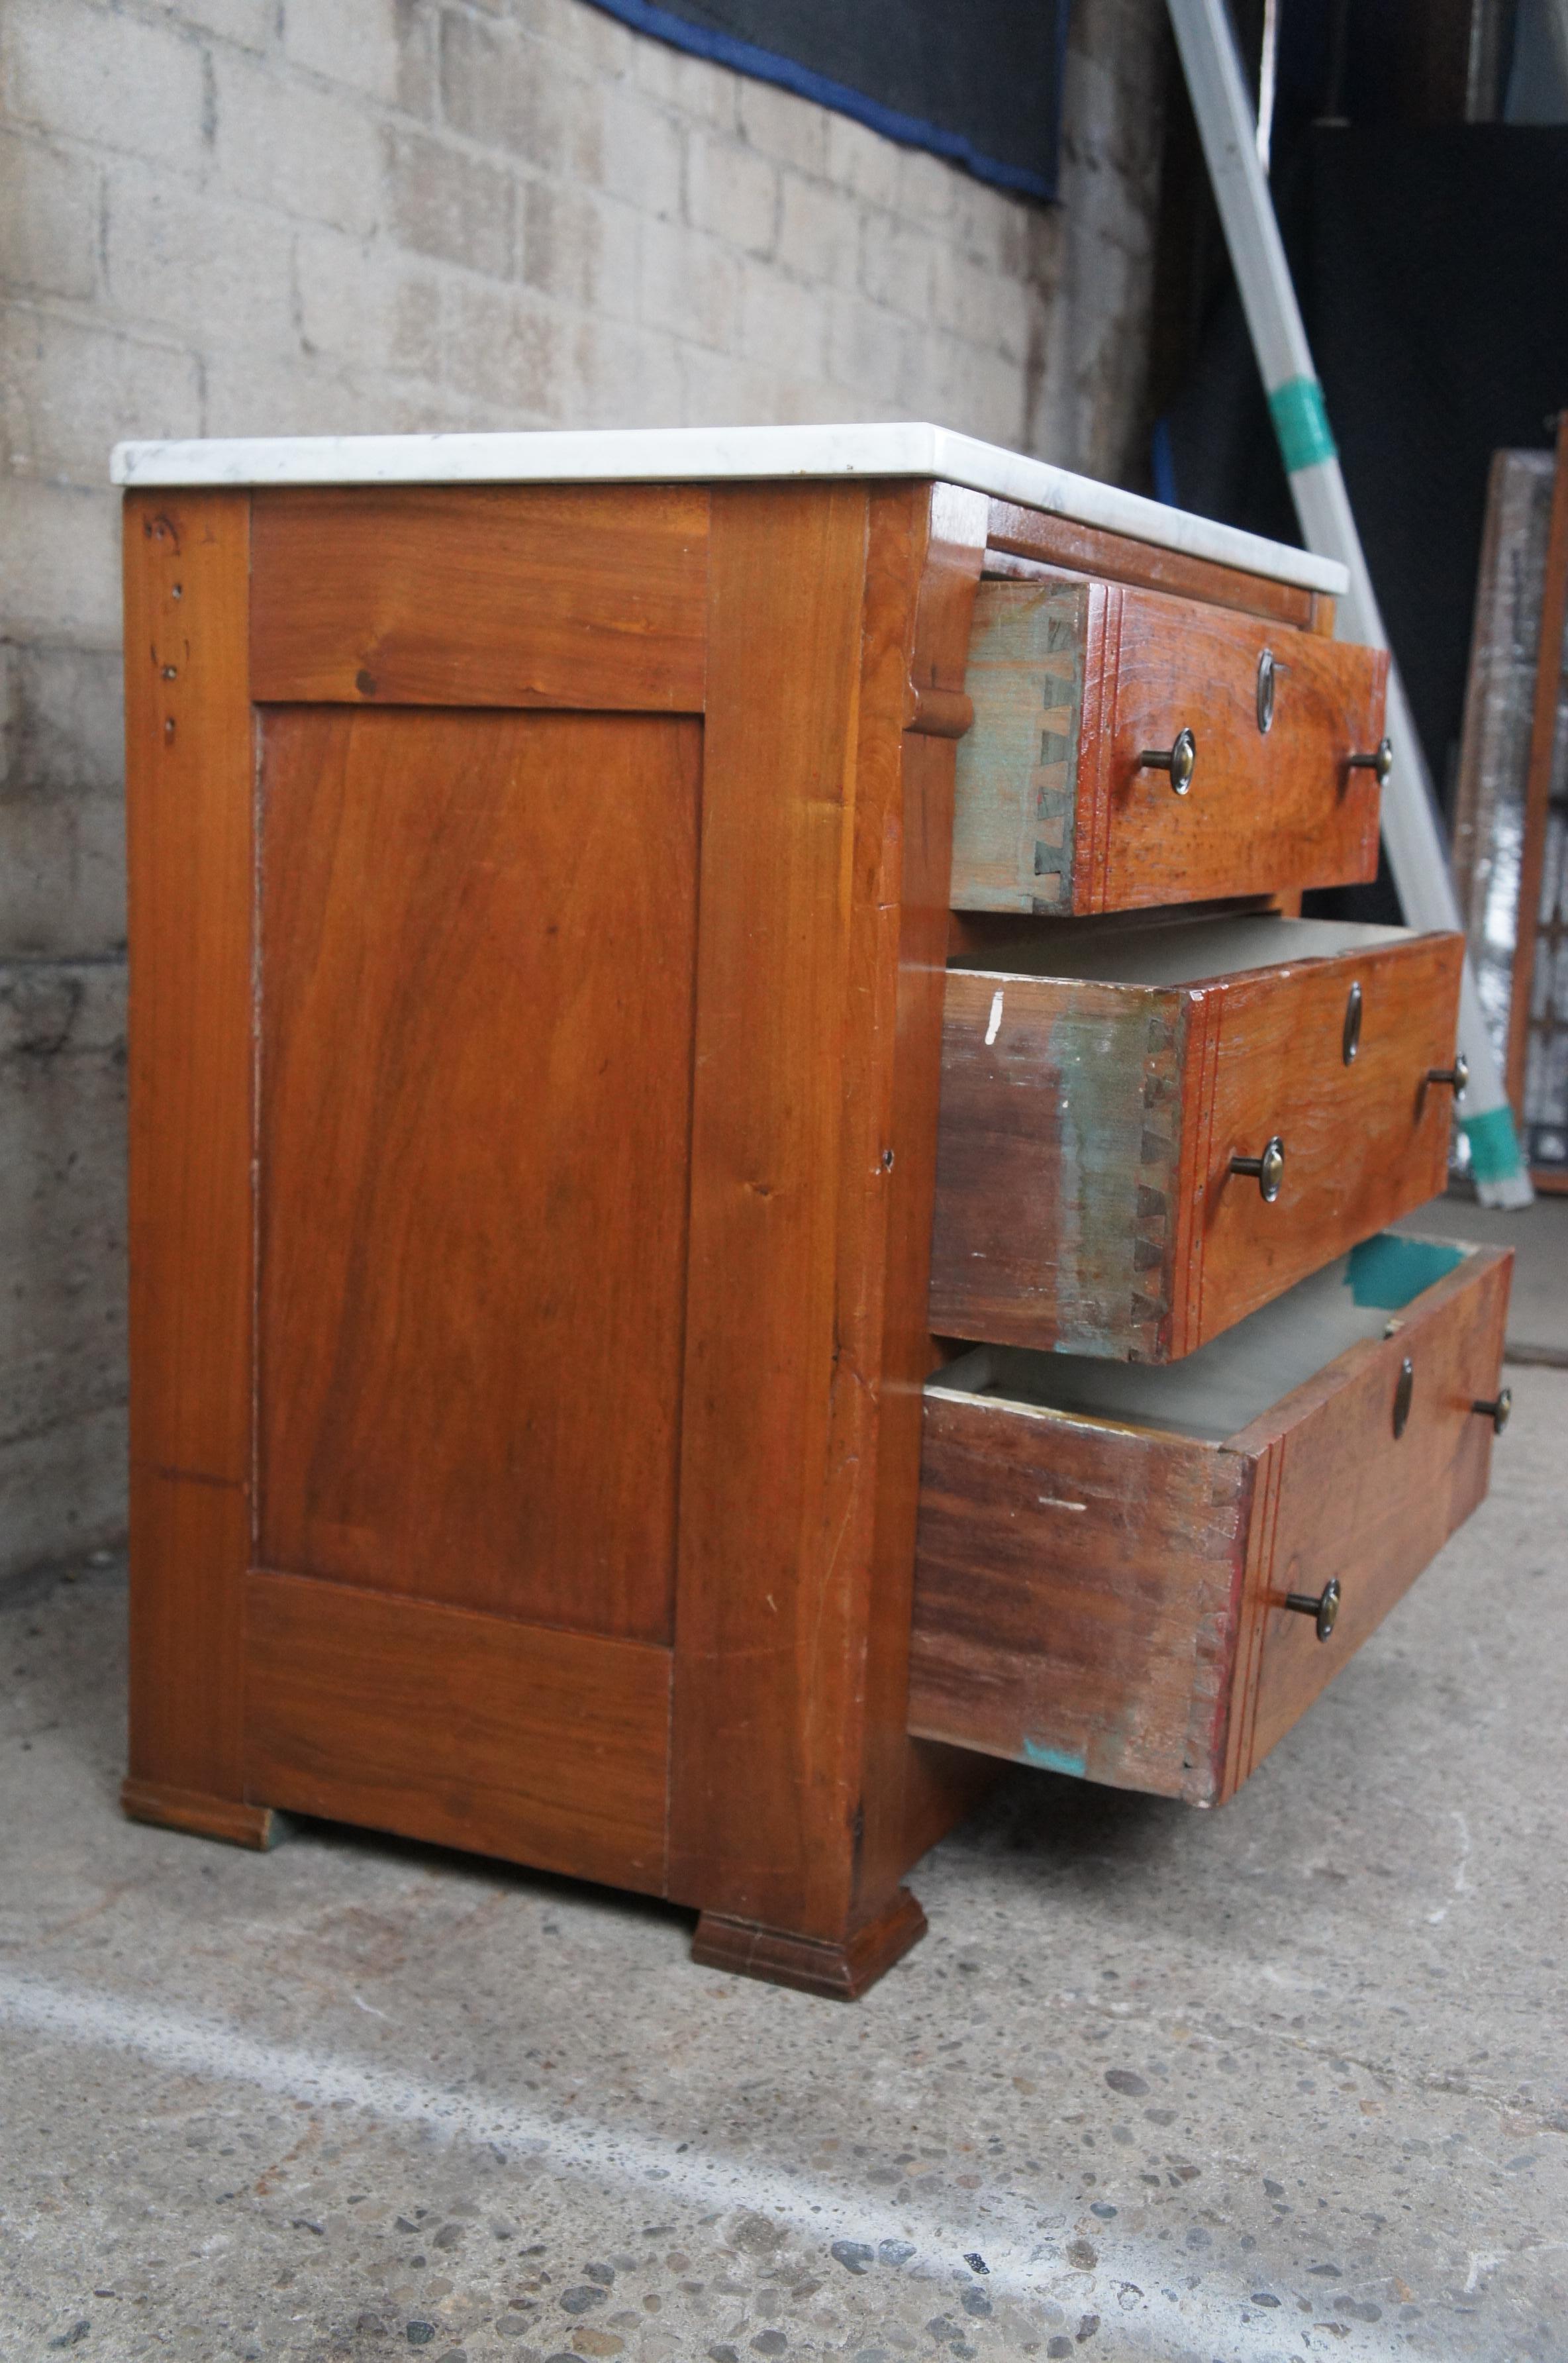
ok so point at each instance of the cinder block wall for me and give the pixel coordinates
(288, 216)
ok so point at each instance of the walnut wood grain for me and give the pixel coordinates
(597, 991)
(839, 1971)
(509, 1738)
(810, 1156)
(190, 863)
(236, 1823)
(492, 594)
(753, 1765)
(1353, 1503)
(1056, 813)
(477, 947)
(1265, 813)
(1059, 542)
(1085, 1201)
(932, 545)
(1077, 1593)
(1107, 1599)
(1364, 1144)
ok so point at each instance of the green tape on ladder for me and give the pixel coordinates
(1301, 423)
(1494, 1145)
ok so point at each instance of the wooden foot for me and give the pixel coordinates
(842, 1972)
(203, 1816)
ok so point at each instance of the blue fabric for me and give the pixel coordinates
(925, 73)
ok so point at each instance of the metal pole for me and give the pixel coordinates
(1411, 831)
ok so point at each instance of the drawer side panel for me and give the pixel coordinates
(1077, 1588)
(1057, 1213)
(1015, 798)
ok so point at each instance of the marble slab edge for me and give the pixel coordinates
(690, 454)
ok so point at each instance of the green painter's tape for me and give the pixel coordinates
(1301, 423)
(1494, 1145)
(1387, 1272)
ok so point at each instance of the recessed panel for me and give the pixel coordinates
(478, 941)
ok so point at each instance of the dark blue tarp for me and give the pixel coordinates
(980, 83)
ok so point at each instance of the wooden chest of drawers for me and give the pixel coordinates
(546, 1071)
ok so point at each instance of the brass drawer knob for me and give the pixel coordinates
(1500, 1411)
(1325, 1607)
(1180, 760)
(1350, 1040)
(1269, 1169)
(1458, 1075)
(1404, 1392)
(1268, 668)
(1380, 761)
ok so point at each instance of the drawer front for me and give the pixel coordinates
(1363, 1141)
(1073, 685)
(1340, 1498)
(1085, 1198)
(1107, 1599)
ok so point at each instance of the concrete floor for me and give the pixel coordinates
(1288, 2079)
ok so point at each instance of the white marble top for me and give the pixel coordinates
(694, 454)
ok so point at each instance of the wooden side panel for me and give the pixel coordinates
(1263, 811)
(764, 1625)
(1057, 1211)
(490, 594)
(190, 768)
(477, 950)
(805, 1333)
(1016, 792)
(542, 1746)
(910, 1794)
(1354, 1502)
(1031, 534)
(1077, 1593)
(1363, 1143)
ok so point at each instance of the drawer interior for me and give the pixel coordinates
(1175, 951)
(1225, 1385)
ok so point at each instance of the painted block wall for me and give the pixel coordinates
(290, 217)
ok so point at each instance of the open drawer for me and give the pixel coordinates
(1268, 738)
(1144, 1575)
(1105, 1087)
